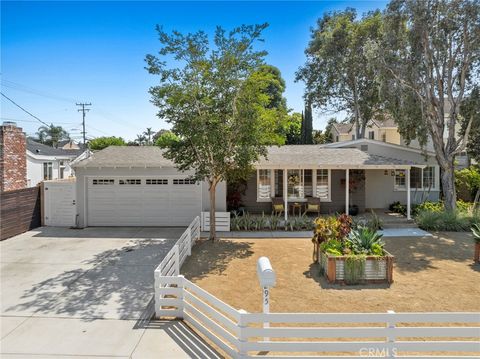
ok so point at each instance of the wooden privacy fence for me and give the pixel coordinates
(241, 335)
(20, 211)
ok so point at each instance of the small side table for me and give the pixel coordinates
(294, 206)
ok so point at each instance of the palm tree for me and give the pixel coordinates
(141, 139)
(148, 133)
(51, 135)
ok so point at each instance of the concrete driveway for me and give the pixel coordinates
(68, 293)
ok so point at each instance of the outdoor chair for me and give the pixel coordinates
(313, 205)
(278, 205)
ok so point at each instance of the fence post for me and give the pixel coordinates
(181, 296)
(242, 338)
(189, 241)
(391, 350)
(158, 296)
(177, 259)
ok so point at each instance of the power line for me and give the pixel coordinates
(83, 109)
(31, 121)
(24, 110)
(19, 87)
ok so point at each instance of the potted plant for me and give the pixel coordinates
(476, 236)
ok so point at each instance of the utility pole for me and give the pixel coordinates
(83, 109)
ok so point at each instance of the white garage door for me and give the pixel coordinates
(142, 201)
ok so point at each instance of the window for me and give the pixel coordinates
(130, 181)
(278, 183)
(400, 180)
(295, 188)
(415, 177)
(103, 181)
(61, 170)
(183, 181)
(323, 185)
(336, 138)
(264, 189)
(429, 177)
(47, 170)
(384, 137)
(371, 135)
(353, 137)
(308, 182)
(156, 181)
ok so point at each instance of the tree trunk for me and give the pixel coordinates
(212, 189)
(448, 186)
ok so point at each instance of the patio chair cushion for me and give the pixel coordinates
(312, 207)
(278, 207)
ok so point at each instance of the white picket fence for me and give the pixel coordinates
(240, 334)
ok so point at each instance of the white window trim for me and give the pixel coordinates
(314, 184)
(435, 188)
(272, 185)
(43, 170)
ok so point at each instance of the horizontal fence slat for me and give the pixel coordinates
(431, 346)
(360, 332)
(174, 313)
(224, 307)
(169, 280)
(202, 329)
(170, 302)
(227, 322)
(362, 317)
(212, 325)
(169, 291)
(313, 346)
(452, 332)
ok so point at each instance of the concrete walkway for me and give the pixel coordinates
(88, 293)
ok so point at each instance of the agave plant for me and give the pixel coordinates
(364, 240)
(476, 232)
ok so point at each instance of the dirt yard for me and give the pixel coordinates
(430, 274)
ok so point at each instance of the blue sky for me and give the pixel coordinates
(54, 54)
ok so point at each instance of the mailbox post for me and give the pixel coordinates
(266, 277)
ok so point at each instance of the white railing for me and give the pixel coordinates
(240, 334)
(172, 262)
(222, 221)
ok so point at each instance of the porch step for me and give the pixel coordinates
(398, 224)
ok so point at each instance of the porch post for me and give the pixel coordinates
(285, 192)
(347, 190)
(407, 173)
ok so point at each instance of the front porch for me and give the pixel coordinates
(291, 192)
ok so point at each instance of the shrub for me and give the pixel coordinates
(454, 221)
(397, 207)
(333, 247)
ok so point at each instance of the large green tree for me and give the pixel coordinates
(100, 143)
(307, 125)
(428, 60)
(336, 74)
(51, 135)
(215, 98)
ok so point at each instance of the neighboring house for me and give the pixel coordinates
(50, 163)
(137, 186)
(386, 131)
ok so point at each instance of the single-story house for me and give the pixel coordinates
(50, 163)
(137, 186)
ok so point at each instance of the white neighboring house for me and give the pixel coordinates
(50, 163)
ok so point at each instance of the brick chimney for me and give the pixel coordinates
(13, 157)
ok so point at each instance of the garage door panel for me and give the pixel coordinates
(148, 202)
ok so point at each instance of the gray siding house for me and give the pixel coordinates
(367, 173)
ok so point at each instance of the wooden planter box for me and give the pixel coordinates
(377, 270)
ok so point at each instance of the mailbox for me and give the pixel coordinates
(265, 273)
